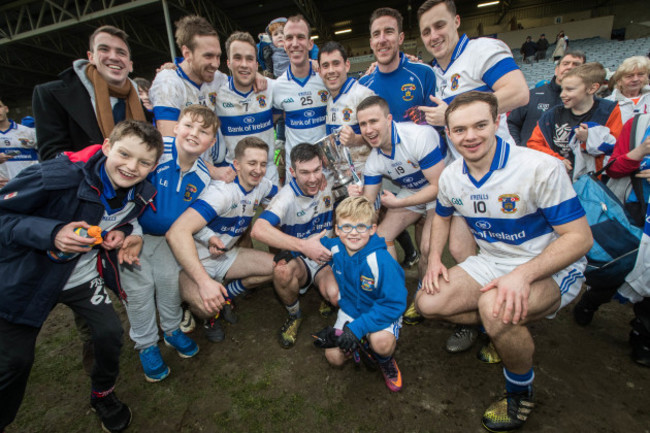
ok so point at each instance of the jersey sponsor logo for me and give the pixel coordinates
(23, 141)
(346, 114)
(161, 169)
(262, 101)
(456, 201)
(367, 284)
(248, 120)
(228, 105)
(483, 225)
(189, 190)
(408, 90)
(323, 95)
(213, 98)
(543, 107)
(486, 234)
(310, 113)
(327, 200)
(163, 183)
(509, 203)
(287, 101)
(454, 81)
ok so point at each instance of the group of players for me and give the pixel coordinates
(438, 134)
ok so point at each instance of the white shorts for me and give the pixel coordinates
(344, 318)
(217, 267)
(313, 268)
(484, 268)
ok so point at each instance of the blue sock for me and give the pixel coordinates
(518, 383)
(382, 359)
(235, 288)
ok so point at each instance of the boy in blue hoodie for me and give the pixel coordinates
(372, 290)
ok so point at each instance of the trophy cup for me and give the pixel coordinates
(338, 166)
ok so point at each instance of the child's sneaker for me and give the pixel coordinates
(508, 413)
(184, 345)
(392, 375)
(114, 415)
(154, 367)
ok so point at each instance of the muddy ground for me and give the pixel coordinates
(585, 381)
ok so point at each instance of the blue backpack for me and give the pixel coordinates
(616, 239)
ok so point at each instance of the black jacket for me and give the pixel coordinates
(64, 117)
(34, 206)
(522, 120)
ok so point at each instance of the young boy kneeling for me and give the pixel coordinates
(43, 261)
(372, 291)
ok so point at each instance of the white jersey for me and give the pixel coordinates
(229, 209)
(172, 90)
(512, 209)
(300, 215)
(20, 139)
(304, 105)
(342, 111)
(415, 148)
(247, 115)
(476, 64)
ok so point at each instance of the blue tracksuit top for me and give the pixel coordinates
(371, 285)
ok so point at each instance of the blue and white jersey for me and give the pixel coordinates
(304, 102)
(415, 148)
(176, 190)
(247, 115)
(229, 209)
(300, 215)
(476, 64)
(17, 138)
(172, 90)
(342, 111)
(512, 209)
(407, 86)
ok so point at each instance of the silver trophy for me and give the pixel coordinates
(338, 165)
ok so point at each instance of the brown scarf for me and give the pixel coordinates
(103, 92)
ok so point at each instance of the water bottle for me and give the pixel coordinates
(92, 232)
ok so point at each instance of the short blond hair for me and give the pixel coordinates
(590, 73)
(201, 113)
(629, 65)
(357, 209)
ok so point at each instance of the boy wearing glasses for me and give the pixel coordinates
(372, 290)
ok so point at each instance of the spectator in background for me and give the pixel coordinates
(81, 108)
(542, 46)
(528, 49)
(561, 44)
(143, 93)
(522, 120)
(17, 146)
(631, 90)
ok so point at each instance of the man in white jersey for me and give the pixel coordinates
(345, 94)
(226, 210)
(243, 111)
(195, 80)
(462, 65)
(17, 146)
(294, 222)
(409, 155)
(532, 235)
(300, 92)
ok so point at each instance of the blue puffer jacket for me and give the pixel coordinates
(34, 206)
(371, 285)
